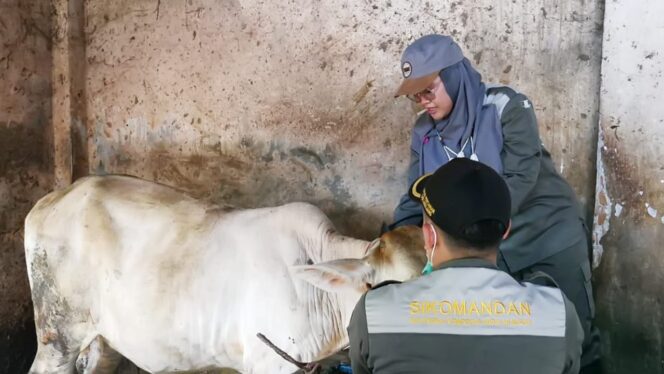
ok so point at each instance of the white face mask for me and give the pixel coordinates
(428, 268)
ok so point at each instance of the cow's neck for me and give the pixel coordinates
(335, 246)
(330, 311)
(330, 314)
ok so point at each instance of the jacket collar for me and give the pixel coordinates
(468, 262)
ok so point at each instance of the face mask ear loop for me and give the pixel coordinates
(428, 268)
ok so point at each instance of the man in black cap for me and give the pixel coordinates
(464, 315)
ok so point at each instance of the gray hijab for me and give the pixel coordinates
(470, 125)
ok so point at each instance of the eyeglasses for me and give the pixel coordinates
(427, 94)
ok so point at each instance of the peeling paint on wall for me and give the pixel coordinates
(629, 281)
(618, 209)
(601, 220)
(652, 212)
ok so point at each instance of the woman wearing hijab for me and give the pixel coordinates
(497, 126)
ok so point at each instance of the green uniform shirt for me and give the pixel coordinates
(546, 218)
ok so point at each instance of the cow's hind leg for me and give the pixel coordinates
(53, 358)
(60, 326)
(57, 345)
(98, 358)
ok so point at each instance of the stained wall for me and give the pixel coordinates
(25, 162)
(259, 103)
(630, 176)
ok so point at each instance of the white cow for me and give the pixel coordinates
(173, 283)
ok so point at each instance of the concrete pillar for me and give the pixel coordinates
(69, 134)
(629, 223)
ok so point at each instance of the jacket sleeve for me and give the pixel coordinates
(522, 149)
(409, 212)
(358, 335)
(573, 339)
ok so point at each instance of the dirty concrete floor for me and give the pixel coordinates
(127, 367)
(327, 364)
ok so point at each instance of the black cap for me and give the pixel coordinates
(461, 193)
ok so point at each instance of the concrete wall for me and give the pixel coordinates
(25, 166)
(259, 103)
(631, 204)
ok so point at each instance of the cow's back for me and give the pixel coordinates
(89, 194)
(105, 210)
(103, 228)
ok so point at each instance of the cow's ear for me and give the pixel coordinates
(337, 275)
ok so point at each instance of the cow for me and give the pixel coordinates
(173, 283)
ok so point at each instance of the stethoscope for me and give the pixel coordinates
(451, 154)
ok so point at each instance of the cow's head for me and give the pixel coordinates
(396, 255)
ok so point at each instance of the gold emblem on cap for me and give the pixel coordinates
(416, 185)
(427, 205)
(428, 208)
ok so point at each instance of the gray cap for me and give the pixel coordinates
(424, 59)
